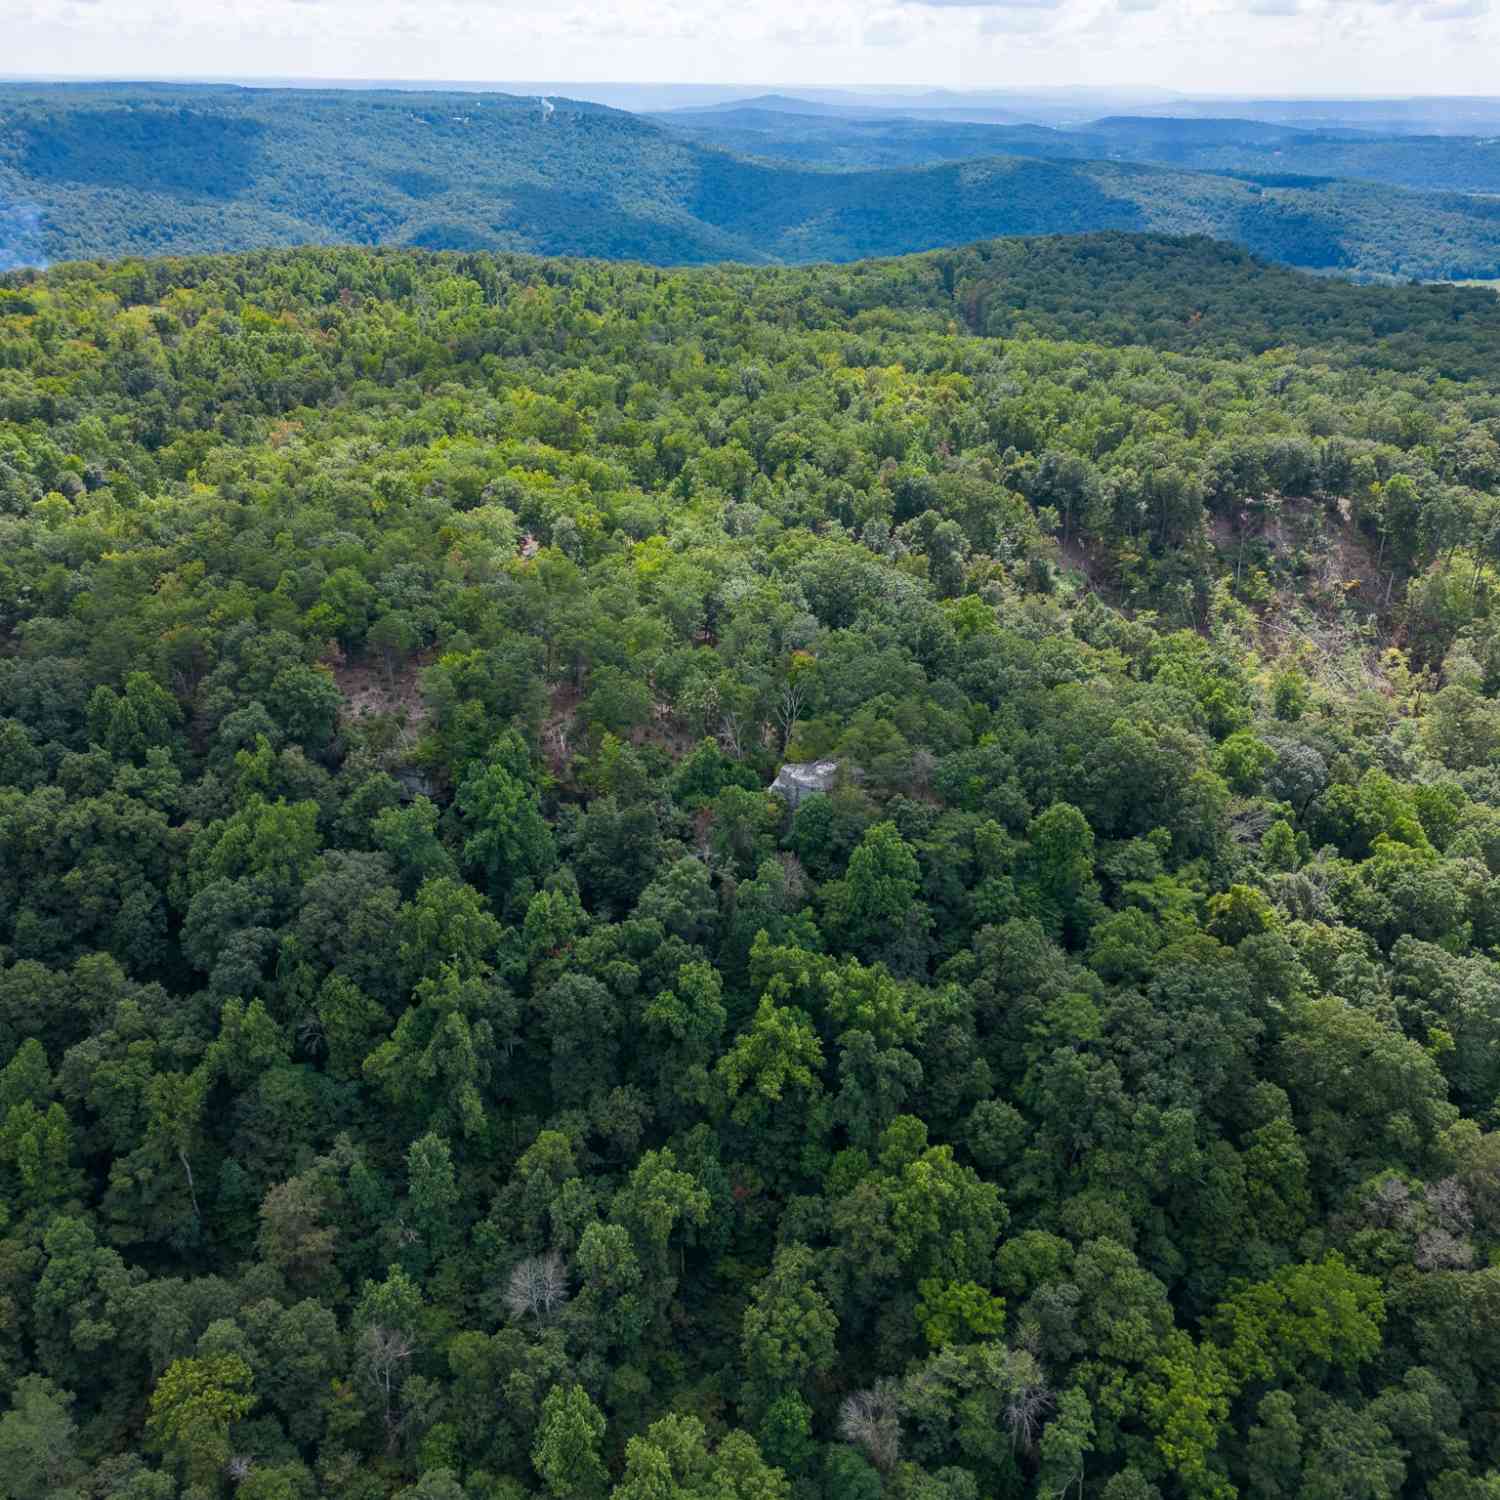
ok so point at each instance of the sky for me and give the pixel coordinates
(1274, 47)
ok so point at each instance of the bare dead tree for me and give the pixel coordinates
(923, 764)
(1389, 1205)
(537, 1287)
(789, 710)
(1440, 1250)
(1450, 1203)
(1025, 1413)
(187, 1167)
(384, 1354)
(730, 731)
(796, 881)
(870, 1420)
(239, 1468)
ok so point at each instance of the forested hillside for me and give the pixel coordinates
(1445, 163)
(108, 170)
(431, 1064)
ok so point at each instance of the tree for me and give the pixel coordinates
(297, 1354)
(442, 1052)
(871, 1421)
(1243, 760)
(1061, 847)
(1066, 1443)
(1351, 1455)
(944, 1219)
(385, 1329)
(685, 1025)
(193, 1407)
(395, 636)
(682, 899)
(435, 1484)
(129, 724)
(566, 1453)
(306, 703)
(788, 1331)
(446, 925)
(1306, 1316)
(878, 899)
(654, 1202)
(295, 1233)
(505, 834)
(432, 1191)
(1187, 1402)
(410, 836)
(581, 1020)
(953, 1311)
(38, 1145)
(780, 1049)
(672, 1461)
(613, 1306)
(38, 1441)
(1274, 1448)
(537, 1287)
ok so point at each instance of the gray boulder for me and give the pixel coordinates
(799, 779)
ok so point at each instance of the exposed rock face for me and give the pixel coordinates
(797, 780)
(415, 783)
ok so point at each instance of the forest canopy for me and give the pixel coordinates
(155, 169)
(433, 1065)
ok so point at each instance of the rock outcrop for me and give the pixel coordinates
(799, 779)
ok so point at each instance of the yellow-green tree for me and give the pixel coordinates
(193, 1407)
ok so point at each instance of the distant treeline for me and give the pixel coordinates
(115, 170)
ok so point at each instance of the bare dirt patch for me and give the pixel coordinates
(561, 735)
(373, 690)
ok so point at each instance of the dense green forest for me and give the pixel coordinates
(432, 1065)
(1443, 163)
(112, 170)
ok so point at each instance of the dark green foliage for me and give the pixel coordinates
(431, 1063)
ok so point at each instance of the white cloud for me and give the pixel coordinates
(1224, 46)
(1459, 10)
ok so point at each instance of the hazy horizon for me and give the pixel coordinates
(1246, 48)
(749, 89)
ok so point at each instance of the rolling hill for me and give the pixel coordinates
(98, 171)
(1438, 163)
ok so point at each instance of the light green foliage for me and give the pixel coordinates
(566, 1454)
(953, 1312)
(1187, 1401)
(1243, 760)
(779, 1052)
(193, 1407)
(1323, 1313)
(789, 1328)
(672, 1461)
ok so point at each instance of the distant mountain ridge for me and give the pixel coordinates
(100, 171)
(1242, 147)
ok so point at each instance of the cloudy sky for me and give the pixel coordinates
(1267, 46)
